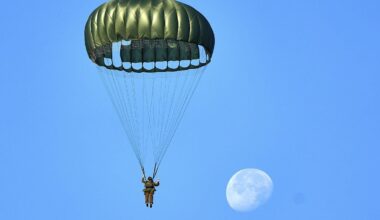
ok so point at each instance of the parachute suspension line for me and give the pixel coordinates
(155, 170)
(146, 118)
(134, 120)
(143, 112)
(198, 74)
(176, 103)
(143, 172)
(163, 98)
(162, 106)
(188, 95)
(172, 112)
(120, 101)
(168, 105)
(124, 98)
(123, 101)
(151, 112)
(150, 105)
(112, 91)
(183, 99)
(167, 116)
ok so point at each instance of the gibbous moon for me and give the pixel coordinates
(248, 189)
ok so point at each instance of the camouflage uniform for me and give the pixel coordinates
(149, 190)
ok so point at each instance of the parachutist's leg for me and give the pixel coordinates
(151, 199)
(146, 199)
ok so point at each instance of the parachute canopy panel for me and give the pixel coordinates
(157, 31)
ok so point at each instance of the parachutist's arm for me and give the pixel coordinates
(143, 180)
(157, 183)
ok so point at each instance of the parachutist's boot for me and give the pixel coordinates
(146, 205)
(151, 205)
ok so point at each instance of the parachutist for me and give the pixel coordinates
(150, 188)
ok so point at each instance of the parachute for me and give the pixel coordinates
(151, 55)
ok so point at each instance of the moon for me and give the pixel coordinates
(248, 189)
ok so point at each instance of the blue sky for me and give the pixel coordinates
(293, 90)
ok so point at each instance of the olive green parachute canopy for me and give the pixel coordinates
(149, 31)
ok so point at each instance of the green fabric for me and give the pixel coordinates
(160, 30)
(158, 50)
